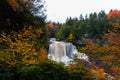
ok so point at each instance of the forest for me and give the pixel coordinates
(24, 43)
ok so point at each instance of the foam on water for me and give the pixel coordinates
(64, 51)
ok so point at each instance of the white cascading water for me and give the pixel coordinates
(63, 51)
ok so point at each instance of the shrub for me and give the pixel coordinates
(5, 76)
(30, 73)
(54, 71)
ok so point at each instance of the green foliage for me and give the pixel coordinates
(94, 26)
(54, 71)
(63, 32)
(17, 50)
(16, 13)
(67, 33)
(30, 73)
(5, 76)
(79, 72)
(22, 56)
(49, 70)
(105, 56)
(46, 70)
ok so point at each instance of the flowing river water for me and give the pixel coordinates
(65, 52)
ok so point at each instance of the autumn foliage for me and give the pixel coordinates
(107, 55)
(18, 48)
(113, 14)
(23, 54)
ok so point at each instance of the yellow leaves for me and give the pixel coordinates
(105, 49)
(116, 70)
(108, 57)
(114, 36)
(38, 32)
(98, 73)
(16, 4)
(12, 63)
(31, 61)
(107, 54)
(43, 54)
(71, 36)
(75, 68)
(13, 4)
(19, 48)
(116, 25)
(91, 48)
(35, 58)
(3, 35)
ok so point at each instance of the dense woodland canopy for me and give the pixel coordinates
(15, 14)
(94, 25)
(97, 35)
(24, 36)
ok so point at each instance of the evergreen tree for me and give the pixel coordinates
(15, 14)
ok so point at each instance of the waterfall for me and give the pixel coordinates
(63, 51)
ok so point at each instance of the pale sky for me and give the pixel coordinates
(59, 10)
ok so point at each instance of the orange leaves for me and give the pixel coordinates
(50, 25)
(107, 55)
(51, 29)
(90, 48)
(13, 4)
(116, 24)
(108, 59)
(16, 4)
(113, 14)
(114, 19)
(98, 73)
(113, 37)
(116, 70)
(43, 54)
